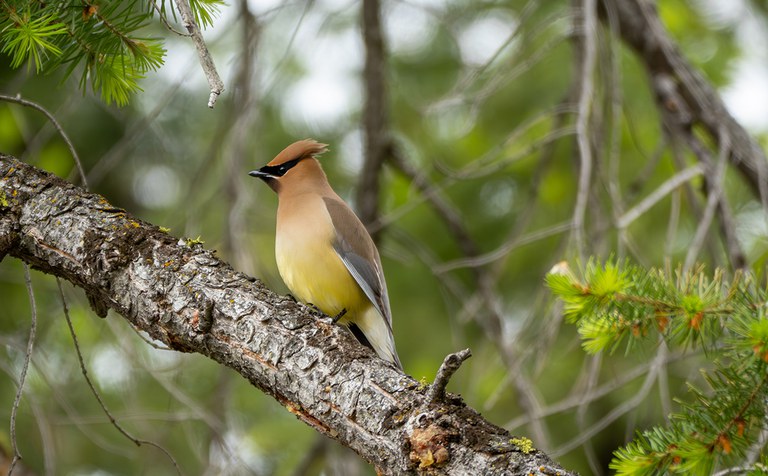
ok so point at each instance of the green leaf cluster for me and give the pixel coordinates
(102, 40)
(615, 303)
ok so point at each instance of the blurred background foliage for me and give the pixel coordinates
(481, 105)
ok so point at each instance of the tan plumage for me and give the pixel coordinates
(324, 253)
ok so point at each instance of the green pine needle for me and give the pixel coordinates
(205, 11)
(102, 40)
(614, 303)
(26, 37)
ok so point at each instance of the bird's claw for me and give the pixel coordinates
(339, 315)
(315, 310)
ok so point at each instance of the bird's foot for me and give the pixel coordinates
(315, 310)
(338, 316)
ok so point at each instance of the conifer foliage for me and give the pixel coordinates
(104, 41)
(621, 305)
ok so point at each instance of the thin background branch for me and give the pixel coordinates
(84, 371)
(24, 367)
(588, 56)
(206, 61)
(55, 123)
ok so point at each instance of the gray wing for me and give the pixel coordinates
(355, 247)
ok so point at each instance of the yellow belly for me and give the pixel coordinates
(315, 274)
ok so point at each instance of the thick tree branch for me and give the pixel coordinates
(187, 298)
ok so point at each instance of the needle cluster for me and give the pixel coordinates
(621, 305)
(105, 41)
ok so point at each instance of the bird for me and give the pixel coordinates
(324, 253)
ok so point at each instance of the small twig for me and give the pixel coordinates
(498, 158)
(149, 342)
(165, 20)
(84, 371)
(450, 365)
(627, 406)
(206, 61)
(440, 205)
(505, 249)
(575, 399)
(715, 180)
(23, 376)
(662, 191)
(214, 422)
(677, 118)
(38, 107)
(277, 70)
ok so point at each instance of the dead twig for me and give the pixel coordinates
(24, 367)
(206, 61)
(450, 365)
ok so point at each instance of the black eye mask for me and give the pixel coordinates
(275, 171)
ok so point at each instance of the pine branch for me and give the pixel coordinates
(103, 41)
(27, 38)
(613, 303)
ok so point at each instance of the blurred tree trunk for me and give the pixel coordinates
(376, 125)
(182, 295)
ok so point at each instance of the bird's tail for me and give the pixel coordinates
(372, 331)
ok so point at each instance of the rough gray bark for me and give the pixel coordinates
(187, 298)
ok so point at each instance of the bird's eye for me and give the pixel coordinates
(283, 168)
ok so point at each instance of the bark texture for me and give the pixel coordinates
(184, 296)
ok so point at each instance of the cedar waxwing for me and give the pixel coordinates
(324, 253)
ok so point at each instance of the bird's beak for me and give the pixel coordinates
(262, 174)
